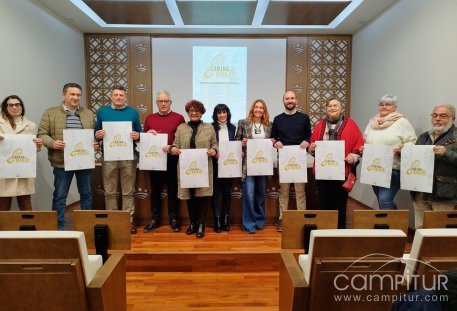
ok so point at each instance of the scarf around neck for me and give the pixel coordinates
(378, 123)
(332, 131)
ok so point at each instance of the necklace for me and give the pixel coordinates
(257, 130)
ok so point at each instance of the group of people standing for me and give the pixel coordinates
(292, 127)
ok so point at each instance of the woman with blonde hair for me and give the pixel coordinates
(257, 125)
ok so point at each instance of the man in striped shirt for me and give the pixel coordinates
(68, 115)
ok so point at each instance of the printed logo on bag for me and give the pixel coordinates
(193, 169)
(259, 158)
(79, 150)
(329, 161)
(219, 69)
(376, 166)
(154, 152)
(117, 142)
(17, 157)
(416, 169)
(230, 160)
(292, 165)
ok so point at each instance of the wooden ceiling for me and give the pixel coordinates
(216, 12)
(217, 17)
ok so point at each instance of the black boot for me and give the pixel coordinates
(192, 228)
(201, 231)
(226, 225)
(217, 224)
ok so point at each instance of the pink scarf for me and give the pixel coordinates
(378, 123)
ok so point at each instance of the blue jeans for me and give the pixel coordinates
(62, 182)
(386, 196)
(253, 209)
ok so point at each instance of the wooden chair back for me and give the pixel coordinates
(440, 219)
(295, 223)
(381, 219)
(340, 262)
(433, 252)
(118, 223)
(28, 220)
(42, 274)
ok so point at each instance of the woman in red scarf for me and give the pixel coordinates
(335, 126)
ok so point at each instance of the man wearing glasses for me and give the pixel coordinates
(164, 121)
(442, 136)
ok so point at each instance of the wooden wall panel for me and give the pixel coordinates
(140, 75)
(296, 71)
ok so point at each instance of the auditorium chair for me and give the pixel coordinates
(297, 225)
(440, 219)
(335, 259)
(381, 219)
(104, 230)
(433, 252)
(51, 270)
(28, 220)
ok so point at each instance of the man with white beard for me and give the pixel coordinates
(442, 136)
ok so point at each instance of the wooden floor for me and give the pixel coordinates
(222, 271)
(225, 271)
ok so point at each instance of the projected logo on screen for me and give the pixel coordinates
(219, 69)
(219, 77)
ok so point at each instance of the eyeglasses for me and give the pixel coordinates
(194, 111)
(385, 104)
(163, 101)
(14, 105)
(440, 116)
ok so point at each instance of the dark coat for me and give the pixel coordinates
(445, 173)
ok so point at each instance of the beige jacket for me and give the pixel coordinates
(12, 187)
(52, 124)
(205, 139)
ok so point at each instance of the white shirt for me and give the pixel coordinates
(261, 134)
(223, 132)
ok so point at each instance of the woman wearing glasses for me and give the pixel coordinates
(390, 128)
(13, 121)
(196, 134)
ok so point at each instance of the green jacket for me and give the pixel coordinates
(445, 173)
(52, 124)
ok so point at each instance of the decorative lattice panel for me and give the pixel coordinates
(328, 73)
(107, 59)
(108, 65)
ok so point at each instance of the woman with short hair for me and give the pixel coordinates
(196, 134)
(389, 128)
(336, 126)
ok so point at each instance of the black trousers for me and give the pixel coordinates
(222, 188)
(168, 178)
(332, 196)
(198, 209)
